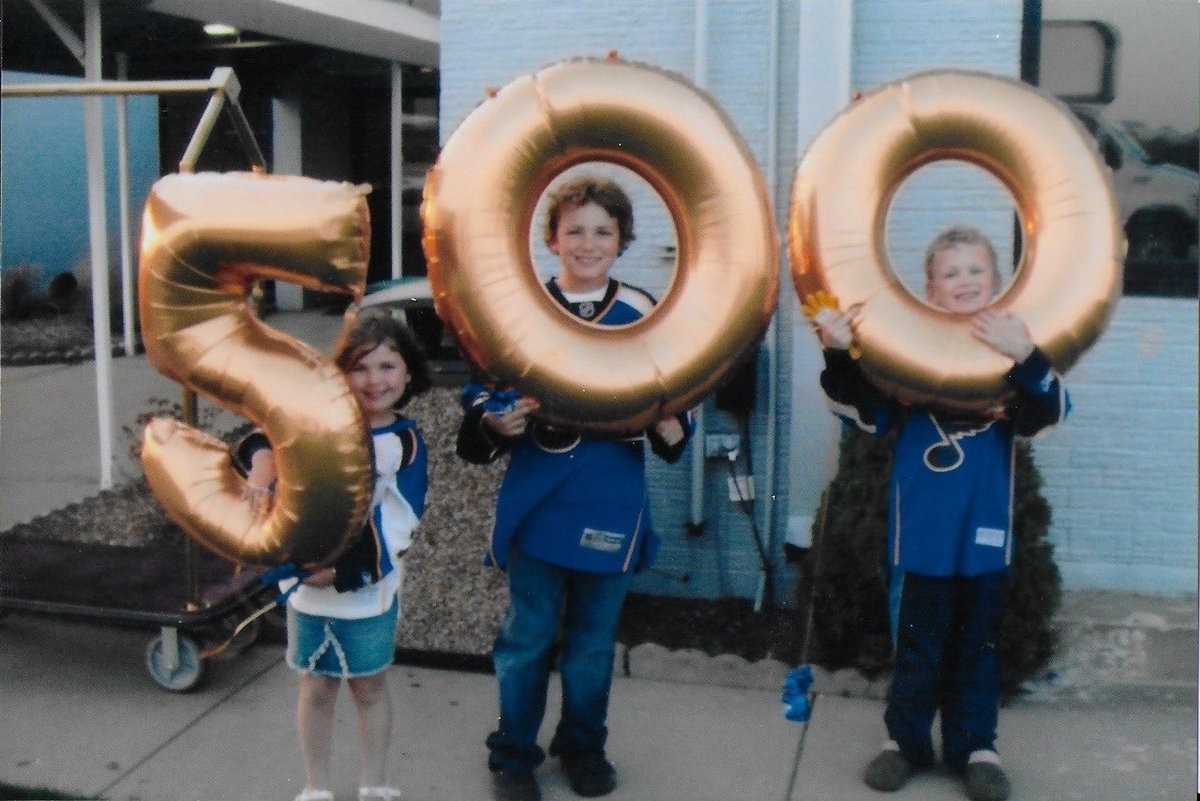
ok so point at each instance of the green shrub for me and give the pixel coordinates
(19, 298)
(850, 625)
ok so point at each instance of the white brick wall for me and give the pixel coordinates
(1121, 471)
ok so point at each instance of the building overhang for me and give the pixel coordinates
(387, 29)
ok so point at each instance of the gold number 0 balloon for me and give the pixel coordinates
(205, 239)
(1069, 278)
(479, 202)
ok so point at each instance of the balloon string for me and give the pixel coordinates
(220, 648)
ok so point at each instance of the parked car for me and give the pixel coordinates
(1160, 203)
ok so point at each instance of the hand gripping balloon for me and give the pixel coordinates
(206, 238)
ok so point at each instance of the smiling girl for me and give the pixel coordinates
(342, 618)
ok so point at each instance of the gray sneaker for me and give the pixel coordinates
(888, 771)
(985, 779)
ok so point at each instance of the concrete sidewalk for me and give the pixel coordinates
(82, 715)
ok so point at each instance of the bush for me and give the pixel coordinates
(850, 625)
(18, 291)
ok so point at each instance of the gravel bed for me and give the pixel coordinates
(452, 604)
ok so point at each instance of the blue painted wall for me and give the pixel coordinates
(45, 216)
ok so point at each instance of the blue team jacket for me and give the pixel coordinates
(572, 500)
(950, 495)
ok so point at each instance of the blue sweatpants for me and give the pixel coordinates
(946, 637)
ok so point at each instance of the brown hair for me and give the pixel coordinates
(591, 189)
(957, 235)
(375, 327)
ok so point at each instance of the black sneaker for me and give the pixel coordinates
(510, 786)
(589, 773)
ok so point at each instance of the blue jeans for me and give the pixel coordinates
(947, 635)
(589, 605)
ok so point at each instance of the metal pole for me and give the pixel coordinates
(190, 404)
(123, 190)
(98, 235)
(771, 339)
(397, 171)
(699, 77)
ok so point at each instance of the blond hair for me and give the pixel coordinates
(957, 235)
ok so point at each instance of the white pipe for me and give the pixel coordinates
(61, 29)
(123, 193)
(824, 89)
(773, 336)
(397, 156)
(699, 77)
(98, 236)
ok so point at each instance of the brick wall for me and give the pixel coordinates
(1121, 474)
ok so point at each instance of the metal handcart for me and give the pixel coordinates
(189, 594)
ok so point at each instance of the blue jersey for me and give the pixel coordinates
(573, 500)
(950, 498)
(400, 466)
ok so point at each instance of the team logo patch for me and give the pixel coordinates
(605, 541)
(587, 310)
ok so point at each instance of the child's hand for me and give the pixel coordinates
(320, 577)
(260, 478)
(1003, 332)
(513, 422)
(670, 429)
(836, 329)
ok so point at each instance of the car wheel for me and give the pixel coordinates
(1157, 240)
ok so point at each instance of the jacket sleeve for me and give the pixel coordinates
(477, 443)
(671, 453)
(852, 397)
(1042, 401)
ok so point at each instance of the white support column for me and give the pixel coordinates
(127, 300)
(397, 156)
(823, 88)
(287, 147)
(98, 230)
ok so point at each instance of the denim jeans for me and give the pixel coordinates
(947, 636)
(589, 605)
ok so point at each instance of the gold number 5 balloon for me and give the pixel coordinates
(206, 239)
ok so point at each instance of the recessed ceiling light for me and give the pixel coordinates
(220, 29)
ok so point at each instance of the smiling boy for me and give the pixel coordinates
(950, 536)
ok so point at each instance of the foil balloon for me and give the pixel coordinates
(206, 238)
(1067, 283)
(479, 203)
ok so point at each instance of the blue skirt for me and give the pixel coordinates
(346, 649)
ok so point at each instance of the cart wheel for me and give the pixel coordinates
(186, 673)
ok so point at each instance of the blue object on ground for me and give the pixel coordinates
(796, 706)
